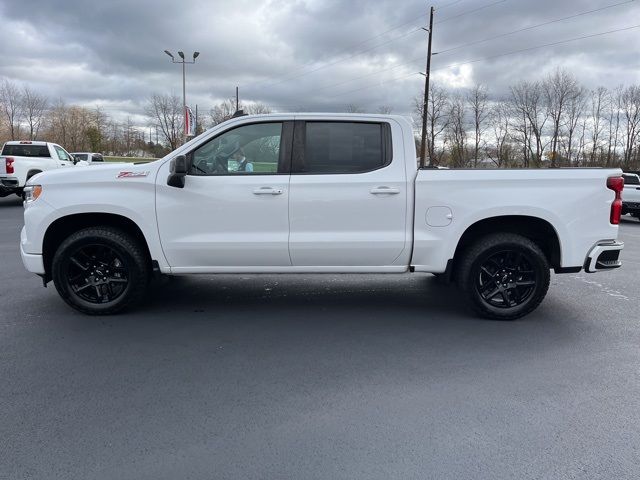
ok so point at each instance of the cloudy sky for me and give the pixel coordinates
(307, 54)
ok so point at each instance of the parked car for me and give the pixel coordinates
(21, 160)
(326, 193)
(88, 157)
(631, 195)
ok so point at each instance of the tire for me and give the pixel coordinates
(504, 276)
(101, 270)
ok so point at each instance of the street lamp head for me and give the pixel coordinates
(168, 53)
(195, 55)
(181, 55)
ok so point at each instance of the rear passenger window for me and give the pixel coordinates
(343, 147)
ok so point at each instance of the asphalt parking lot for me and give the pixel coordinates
(311, 377)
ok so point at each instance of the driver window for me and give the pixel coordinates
(244, 150)
(62, 155)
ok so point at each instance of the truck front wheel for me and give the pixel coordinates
(100, 270)
(504, 276)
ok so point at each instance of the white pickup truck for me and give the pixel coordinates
(21, 160)
(631, 195)
(302, 193)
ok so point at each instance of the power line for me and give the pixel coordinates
(292, 77)
(540, 46)
(411, 62)
(467, 12)
(531, 27)
(343, 59)
(497, 56)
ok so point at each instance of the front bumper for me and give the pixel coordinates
(32, 261)
(604, 256)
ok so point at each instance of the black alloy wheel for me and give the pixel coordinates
(506, 279)
(101, 270)
(503, 275)
(96, 274)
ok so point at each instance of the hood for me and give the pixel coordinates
(102, 173)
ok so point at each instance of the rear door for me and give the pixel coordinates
(348, 195)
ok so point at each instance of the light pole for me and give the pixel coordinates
(184, 91)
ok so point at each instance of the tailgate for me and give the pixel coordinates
(3, 166)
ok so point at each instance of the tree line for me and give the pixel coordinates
(28, 115)
(551, 122)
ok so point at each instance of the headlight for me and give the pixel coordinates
(32, 192)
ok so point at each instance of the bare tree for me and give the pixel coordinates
(166, 112)
(226, 109)
(385, 109)
(615, 118)
(257, 109)
(572, 115)
(499, 121)
(630, 103)
(77, 121)
(529, 108)
(11, 107)
(437, 120)
(477, 100)
(599, 100)
(34, 107)
(222, 112)
(352, 108)
(58, 120)
(457, 133)
(558, 88)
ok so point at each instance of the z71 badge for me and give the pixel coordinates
(132, 174)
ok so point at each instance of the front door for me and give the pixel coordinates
(348, 204)
(233, 209)
(64, 159)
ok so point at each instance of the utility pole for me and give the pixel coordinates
(184, 88)
(425, 108)
(237, 99)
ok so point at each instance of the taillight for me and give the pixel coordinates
(8, 161)
(616, 184)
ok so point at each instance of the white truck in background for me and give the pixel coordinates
(631, 195)
(332, 193)
(21, 160)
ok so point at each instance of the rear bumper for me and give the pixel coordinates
(630, 207)
(9, 185)
(604, 256)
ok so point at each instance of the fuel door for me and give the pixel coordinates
(439, 216)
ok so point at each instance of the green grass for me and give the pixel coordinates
(264, 167)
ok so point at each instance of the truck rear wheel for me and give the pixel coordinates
(100, 270)
(504, 276)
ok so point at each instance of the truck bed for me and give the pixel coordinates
(575, 202)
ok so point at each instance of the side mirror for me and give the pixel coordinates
(73, 159)
(178, 172)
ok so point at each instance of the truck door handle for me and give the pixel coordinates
(267, 191)
(385, 190)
